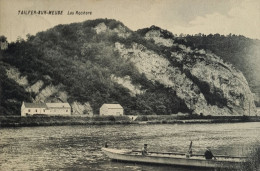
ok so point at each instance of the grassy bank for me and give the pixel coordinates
(16, 121)
(196, 119)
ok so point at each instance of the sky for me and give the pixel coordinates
(240, 17)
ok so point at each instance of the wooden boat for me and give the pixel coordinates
(180, 159)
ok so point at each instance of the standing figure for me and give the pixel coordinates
(189, 153)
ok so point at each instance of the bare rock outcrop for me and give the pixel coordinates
(156, 35)
(42, 93)
(14, 74)
(120, 30)
(207, 85)
(81, 109)
(126, 82)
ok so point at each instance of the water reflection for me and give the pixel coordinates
(78, 147)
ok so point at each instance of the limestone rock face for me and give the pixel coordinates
(207, 85)
(14, 74)
(81, 109)
(49, 93)
(35, 87)
(228, 85)
(156, 36)
(120, 30)
(101, 28)
(224, 88)
(46, 93)
(126, 82)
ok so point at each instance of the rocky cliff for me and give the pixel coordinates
(39, 92)
(214, 87)
(148, 72)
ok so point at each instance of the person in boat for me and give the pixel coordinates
(144, 150)
(208, 154)
(189, 153)
(106, 145)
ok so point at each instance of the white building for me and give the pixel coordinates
(111, 109)
(53, 109)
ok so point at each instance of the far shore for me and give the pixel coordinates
(18, 121)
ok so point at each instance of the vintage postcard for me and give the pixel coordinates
(129, 85)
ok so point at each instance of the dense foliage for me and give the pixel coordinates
(82, 61)
(11, 94)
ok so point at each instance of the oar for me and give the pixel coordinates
(190, 144)
(190, 149)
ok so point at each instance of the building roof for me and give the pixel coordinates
(113, 106)
(58, 105)
(35, 105)
(47, 105)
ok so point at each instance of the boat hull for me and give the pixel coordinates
(169, 159)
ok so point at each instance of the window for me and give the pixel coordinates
(43, 110)
(66, 110)
(35, 110)
(29, 110)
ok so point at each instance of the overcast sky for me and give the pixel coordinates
(178, 16)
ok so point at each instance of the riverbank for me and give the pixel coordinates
(18, 121)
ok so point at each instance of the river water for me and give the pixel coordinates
(78, 147)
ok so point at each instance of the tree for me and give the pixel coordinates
(3, 38)
(19, 39)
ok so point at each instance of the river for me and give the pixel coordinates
(78, 147)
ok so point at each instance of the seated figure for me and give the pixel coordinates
(144, 150)
(208, 154)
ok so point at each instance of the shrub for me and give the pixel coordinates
(111, 118)
(142, 118)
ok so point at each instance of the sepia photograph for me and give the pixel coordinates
(130, 85)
